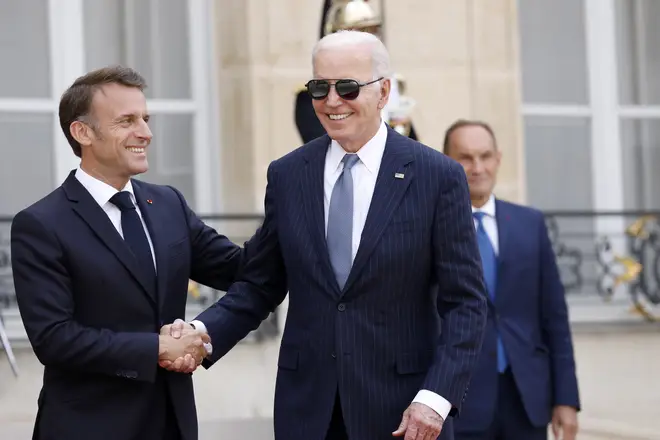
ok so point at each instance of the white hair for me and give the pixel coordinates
(345, 39)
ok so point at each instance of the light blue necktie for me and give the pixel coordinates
(489, 263)
(340, 222)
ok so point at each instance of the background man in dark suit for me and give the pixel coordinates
(371, 234)
(100, 264)
(525, 377)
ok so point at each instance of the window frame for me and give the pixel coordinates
(67, 52)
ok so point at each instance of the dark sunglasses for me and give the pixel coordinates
(348, 89)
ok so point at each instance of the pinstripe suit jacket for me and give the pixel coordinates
(411, 315)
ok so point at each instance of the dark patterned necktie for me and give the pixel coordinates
(135, 236)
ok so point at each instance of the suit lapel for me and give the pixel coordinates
(394, 178)
(311, 186)
(149, 211)
(86, 207)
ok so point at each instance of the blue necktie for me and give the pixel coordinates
(135, 236)
(489, 264)
(340, 222)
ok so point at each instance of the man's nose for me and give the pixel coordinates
(478, 167)
(144, 132)
(333, 98)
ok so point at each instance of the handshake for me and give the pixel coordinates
(181, 348)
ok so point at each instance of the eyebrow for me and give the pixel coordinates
(131, 116)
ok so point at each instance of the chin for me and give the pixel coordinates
(141, 168)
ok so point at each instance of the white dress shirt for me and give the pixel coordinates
(102, 193)
(489, 221)
(364, 173)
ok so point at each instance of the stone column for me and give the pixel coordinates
(460, 59)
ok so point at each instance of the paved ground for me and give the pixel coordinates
(619, 373)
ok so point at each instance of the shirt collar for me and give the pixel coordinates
(488, 208)
(99, 190)
(370, 154)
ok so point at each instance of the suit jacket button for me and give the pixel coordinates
(334, 355)
(341, 307)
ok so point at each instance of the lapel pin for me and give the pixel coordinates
(149, 201)
(398, 175)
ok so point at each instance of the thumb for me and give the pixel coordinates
(177, 328)
(402, 426)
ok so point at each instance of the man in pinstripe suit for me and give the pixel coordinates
(371, 234)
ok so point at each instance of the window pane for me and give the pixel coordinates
(26, 171)
(638, 51)
(641, 161)
(149, 35)
(553, 51)
(559, 177)
(24, 49)
(171, 154)
(558, 161)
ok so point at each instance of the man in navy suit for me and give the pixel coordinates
(100, 264)
(371, 234)
(525, 377)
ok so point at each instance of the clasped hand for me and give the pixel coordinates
(182, 348)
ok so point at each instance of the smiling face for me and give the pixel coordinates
(352, 123)
(115, 136)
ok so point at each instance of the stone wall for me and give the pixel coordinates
(459, 58)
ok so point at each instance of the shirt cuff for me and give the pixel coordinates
(199, 325)
(434, 401)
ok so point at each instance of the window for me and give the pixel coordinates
(25, 114)
(637, 36)
(168, 41)
(556, 111)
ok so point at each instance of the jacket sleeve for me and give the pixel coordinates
(556, 327)
(215, 260)
(260, 288)
(461, 296)
(46, 302)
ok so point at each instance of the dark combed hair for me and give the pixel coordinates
(465, 123)
(76, 101)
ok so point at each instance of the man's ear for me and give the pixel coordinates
(385, 88)
(81, 132)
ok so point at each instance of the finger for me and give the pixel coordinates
(190, 364)
(206, 338)
(402, 426)
(177, 328)
(164, 363)
(179, 364)
(556, 428)
(432, 434)
(570, 432)
(166, 329)
(411, 431)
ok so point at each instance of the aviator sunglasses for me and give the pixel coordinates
(348, 89)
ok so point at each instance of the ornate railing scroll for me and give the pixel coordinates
(589, 263)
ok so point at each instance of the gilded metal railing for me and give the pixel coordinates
(605, 253)
(599, 254)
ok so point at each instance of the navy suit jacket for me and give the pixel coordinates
(387, 334)
(92, 321)
(530, 312)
